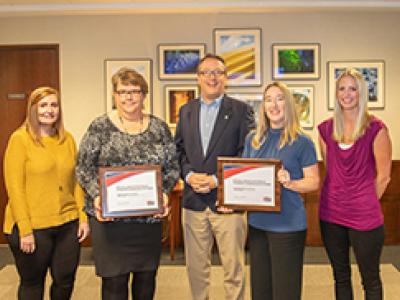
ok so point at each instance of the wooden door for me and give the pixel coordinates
(22, 69)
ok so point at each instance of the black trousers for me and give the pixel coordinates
(57, 249)
(276, 264)
(142, 288)
(367, 247)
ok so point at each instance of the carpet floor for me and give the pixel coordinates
(172, 283)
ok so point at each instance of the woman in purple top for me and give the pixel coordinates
(356, 149)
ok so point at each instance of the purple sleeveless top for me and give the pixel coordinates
(348, 195)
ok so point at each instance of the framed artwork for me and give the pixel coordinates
(175, 96)
(179, 61)
(304, 99)
(241, 50)
(140, 65)
(255, 100)
(296, 61)
(374, 75)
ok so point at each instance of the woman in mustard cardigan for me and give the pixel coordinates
(44, 219)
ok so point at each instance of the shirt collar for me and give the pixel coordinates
(216, 102)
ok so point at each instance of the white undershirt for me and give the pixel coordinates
(344, 146)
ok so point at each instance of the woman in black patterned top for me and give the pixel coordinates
(124, 137)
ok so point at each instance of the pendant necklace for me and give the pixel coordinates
(121, 120)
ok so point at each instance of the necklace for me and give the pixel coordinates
(121, 120)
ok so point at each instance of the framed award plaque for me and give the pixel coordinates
(131, 191)
(249, 184)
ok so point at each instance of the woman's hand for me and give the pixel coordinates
(97, 207)
(284, 177)
(309, 182)
(224, 209)
(167, 208)
(27, 243)
(83, 231)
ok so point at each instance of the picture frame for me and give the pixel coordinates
(144, 66)
(255, 100)
(179, 61)
(249, 184)
(241, 50)
(304, 96)
(175, 96)
(296, 61)
(373, 72)
(127, 191)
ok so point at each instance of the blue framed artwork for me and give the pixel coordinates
(296, 61)
(179, 61)
(373, 72)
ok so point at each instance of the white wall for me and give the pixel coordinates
(85, 41)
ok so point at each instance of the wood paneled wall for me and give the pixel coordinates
(390, 206)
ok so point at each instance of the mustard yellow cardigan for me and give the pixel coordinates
(40, 182)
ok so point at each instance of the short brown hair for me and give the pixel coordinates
(127, 76)
(210, 56)
(32, 123)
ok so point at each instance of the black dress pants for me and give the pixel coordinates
(367, 247)
(276, 264)
(57, 249)
(116, 288)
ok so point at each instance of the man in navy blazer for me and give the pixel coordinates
(211, 126)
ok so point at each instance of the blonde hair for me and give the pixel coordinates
(31, 122)
(291, 128)
(363, 117)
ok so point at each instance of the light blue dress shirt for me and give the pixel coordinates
(208, 116)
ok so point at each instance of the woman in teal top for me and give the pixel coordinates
(276, 240)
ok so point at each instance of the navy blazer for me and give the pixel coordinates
(234, 121)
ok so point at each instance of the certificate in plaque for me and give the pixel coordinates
(131, 191)
(249, 184)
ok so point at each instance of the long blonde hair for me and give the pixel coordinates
(363, 117)
(31, 122)
(291, 128)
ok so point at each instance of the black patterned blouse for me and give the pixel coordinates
(106, 145)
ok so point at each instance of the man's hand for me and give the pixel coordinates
(199, 183)
(202, 183)
(212, 183)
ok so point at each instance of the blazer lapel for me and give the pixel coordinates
(195, 122)
(223, 118)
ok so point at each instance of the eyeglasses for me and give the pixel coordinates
(124, 93)
(210, 73)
